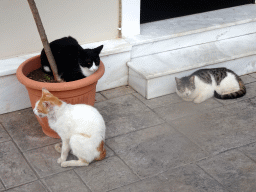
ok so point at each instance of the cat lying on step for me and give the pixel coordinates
(81, 128)
(206, 83)
(73, 62)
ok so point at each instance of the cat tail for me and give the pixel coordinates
(102, 151)
(234, 95)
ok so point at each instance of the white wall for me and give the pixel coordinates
(86, 20)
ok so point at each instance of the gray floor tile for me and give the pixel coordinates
(25, 130)
(120, 106)
(153, 150)
(183, 109)
(2, 188)
(65, 182)
(247, 79)
(106, 175)
(117, 92)
(44, 161)
(253, 75)
(233, 170)
(126, 114)
(250, 92)
(190, 178)
(118, 125)
(14, 170)
(99, 98)
(3, 135)
(36, 186)
(159, 101)
(249, 150)
(222, 128)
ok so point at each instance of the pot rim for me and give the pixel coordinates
(64, 86)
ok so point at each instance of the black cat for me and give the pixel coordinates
(73, 62)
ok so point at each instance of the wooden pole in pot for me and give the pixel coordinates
(44, 40)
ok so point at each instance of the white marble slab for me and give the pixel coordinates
(137, 82)
(9, 66)
(112, 46)
(166, 84)
(116, 71)
(196, 23)
(153, 66)
(14, 95)
(150, 48)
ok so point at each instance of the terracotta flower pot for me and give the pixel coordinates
(75, 92)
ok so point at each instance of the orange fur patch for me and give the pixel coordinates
(85, 135)
(47, 96)
(102, 151)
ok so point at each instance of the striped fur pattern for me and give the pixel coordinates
(203, 84)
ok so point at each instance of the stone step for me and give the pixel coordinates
(181, 32)
(154, 75)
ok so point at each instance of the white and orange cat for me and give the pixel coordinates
(80, 126)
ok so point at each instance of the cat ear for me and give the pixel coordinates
(98, 49)
(177, 80)
(192, 79)
(45, 92)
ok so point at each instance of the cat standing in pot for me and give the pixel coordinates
(203, 84)
(73, 62)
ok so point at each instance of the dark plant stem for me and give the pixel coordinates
(44, 40)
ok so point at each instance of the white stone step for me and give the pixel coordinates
(154, 75)
(193, 30)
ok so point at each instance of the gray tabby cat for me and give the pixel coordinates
(206, 83)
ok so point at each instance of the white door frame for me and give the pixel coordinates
(130, 18)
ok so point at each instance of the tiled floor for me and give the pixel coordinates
(163, 144)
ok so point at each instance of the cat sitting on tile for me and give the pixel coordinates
(206, 83)
(81, 128)
(73, 62)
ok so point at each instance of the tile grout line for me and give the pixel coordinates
(115, 154)
(165, 122)
(45, 186)
(227, 150)
(47, 145)
(241, 151)
(100, 92)
(174, 127)
(1, 182)
(212, 177)
(251, 75)
(102, 96)
(16, 186)
(72, 168)
(81, 179)
(20, 152)
(134, 131)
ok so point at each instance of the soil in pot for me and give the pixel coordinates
(39, 75)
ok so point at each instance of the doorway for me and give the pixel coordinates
(155, 10)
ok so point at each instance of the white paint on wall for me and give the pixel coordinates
(88, 21)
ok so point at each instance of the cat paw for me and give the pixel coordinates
(60, 160)
(64, 164)
(58, 147)
(198, 101)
